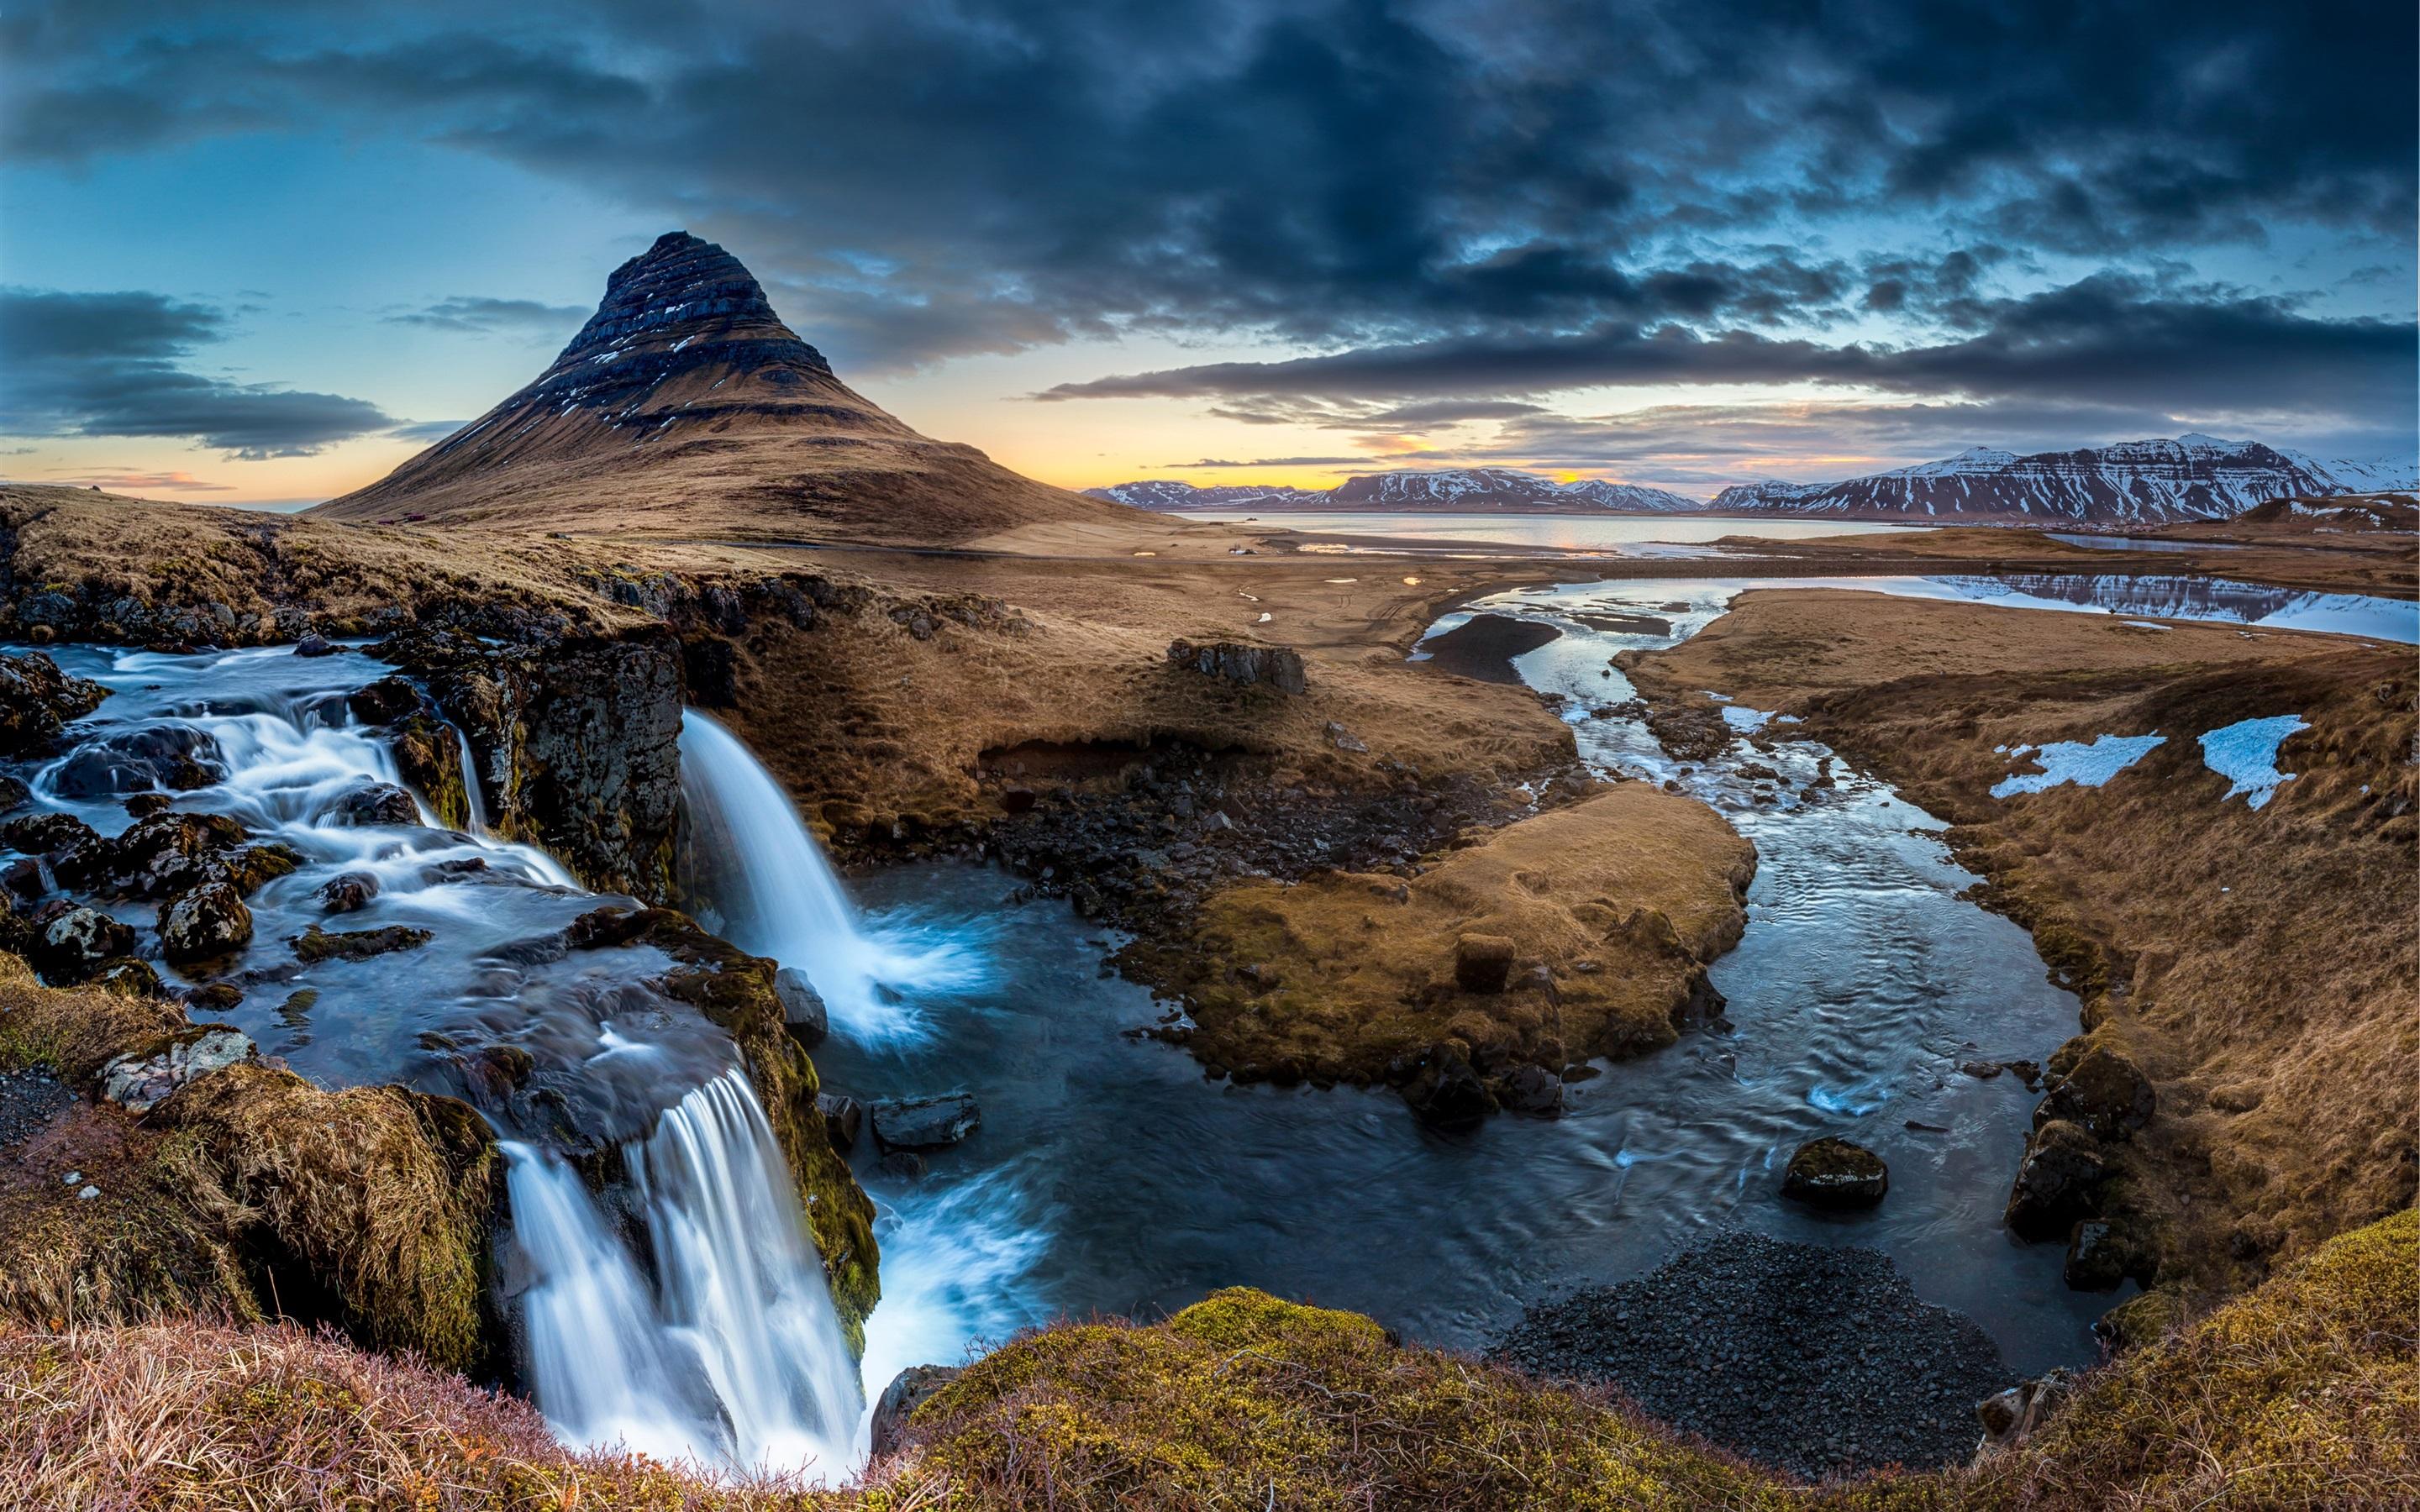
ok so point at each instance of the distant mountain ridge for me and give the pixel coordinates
(2127, 483)
(686, 405)
(1448, 490)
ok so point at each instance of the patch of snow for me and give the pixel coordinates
(2245, 753)
(2145, 625)
(2087, 764)
(1749, 721)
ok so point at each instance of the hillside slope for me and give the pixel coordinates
(685, 406)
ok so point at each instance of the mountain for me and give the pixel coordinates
(2128, 483)
(1453, 490)
(685, 405)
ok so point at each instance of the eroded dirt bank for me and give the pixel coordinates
(2257, 964)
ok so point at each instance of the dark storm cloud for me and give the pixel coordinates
(110, 364)
(2110, 339)
(927, 178)
(485, 315)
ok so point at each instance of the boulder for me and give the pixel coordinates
(348, 893)
(2057, 1182)
(71, 940)
(1242, 661)
(899, 1400)
(314, 645)
(14, 794)
(169, 854)
(2104, 1092)
(1482, 963)
(1446, 1093)
(844, 1120)
(47, 834)
(1836, 1173)
(920, 1123)
(211, 920)
(128, 978)
(176, 757)
(144, 804)
(372, 803)
(802, 1008)
(137, 1082)
(904, 1166)
(383, 702)
(37, 699)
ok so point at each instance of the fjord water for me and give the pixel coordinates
(714, 1339)
(1618, 535)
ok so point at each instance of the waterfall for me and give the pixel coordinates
(473, 801)
(734, 1355)
(764, 885)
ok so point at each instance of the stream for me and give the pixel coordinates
(683, 1311)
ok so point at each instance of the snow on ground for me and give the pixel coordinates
(2245, 753)
(2085, 764)
(1749, 721)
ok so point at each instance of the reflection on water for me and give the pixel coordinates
(2137, 543)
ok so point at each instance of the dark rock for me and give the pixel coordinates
(347, 893)
(372, 803)
(14, 794)
(144, 804)
(385, 702)
(711, 665)
(128, 978)
(906, 1392)
(2057, 1182)
(1446, 1093)
(904, 1164)
(47, 834)
(311, 645)
(71, 941)
(802, 1008)
(1482, 963)
(844, 1120)
(176, 757)
(216, 997)
(1242, 661)
(2104, 1092)
(1836, 1173)
(315, 944)
(924, 1122)
(1531, 1089)
(210, 921)
(168, 853)
(37, 701)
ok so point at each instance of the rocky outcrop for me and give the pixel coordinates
(210, 921)
(1242, 661)
(179, 758)
(71, 941)
(2104, 1092)
(802, 1007)
(1836, 1173)
(372, 803)
(908, 1391)
(2058, 1183)
(576, 743)
(37, 699)
(139, 1082)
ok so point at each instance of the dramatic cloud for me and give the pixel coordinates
(109, 365)
(482, 315)
(2108, 340)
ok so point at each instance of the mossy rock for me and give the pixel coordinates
(1836, 1173)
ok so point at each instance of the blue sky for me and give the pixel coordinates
(253, 251)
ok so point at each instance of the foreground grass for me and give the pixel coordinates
(2303, 1394)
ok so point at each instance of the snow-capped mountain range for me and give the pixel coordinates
(2126, 482)
(1453, 490)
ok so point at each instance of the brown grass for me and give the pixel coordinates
(1623, 897)
(2259, 965)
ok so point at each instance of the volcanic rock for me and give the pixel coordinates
(924, 1122)
(373, 803)
(209, 921)
(802, 1008)
(1242, 661)
(2057, 1182)
(1836, 1173)
(2104, 1092)
(37, 699)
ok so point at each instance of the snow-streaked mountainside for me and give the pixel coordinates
(2127, 483)
(1462, 490)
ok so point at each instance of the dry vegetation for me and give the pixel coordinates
(2259, 965)
(2303, 1394)
(1622, 898)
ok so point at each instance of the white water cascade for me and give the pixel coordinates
(769, 891)
(734, 1355)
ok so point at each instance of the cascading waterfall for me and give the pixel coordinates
(765, 886)
(703, 1328)
(734, 1355)
(474, 802)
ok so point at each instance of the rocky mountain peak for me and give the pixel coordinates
(684, 302)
